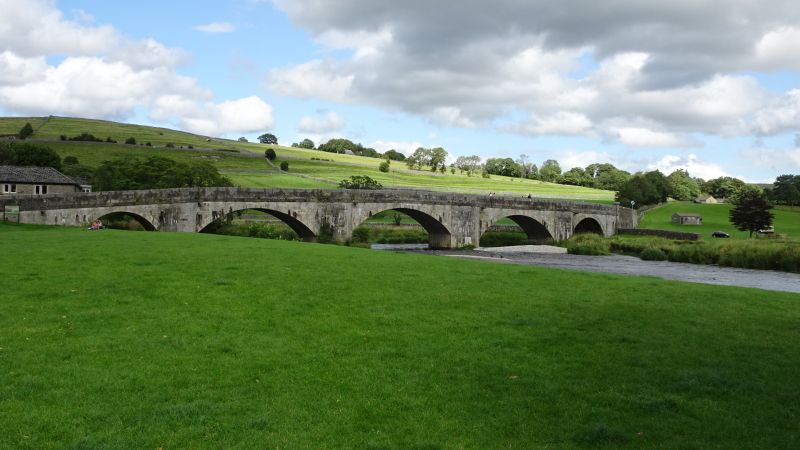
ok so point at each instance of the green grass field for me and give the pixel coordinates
(253, 172)
(116, 339)
(715, 218)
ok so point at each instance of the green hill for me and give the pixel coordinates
(715, 218)
(245, 165)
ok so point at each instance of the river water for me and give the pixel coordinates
(629, 265)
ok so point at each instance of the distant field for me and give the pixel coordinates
(116, 339)
(253, 172)
(716, 218)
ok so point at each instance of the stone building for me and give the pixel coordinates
(706, 199)
(687, 219)
(38, 181)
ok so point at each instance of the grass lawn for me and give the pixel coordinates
(716, 217)
(144, 340)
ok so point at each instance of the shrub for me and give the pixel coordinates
(170, 145)
(270, 154)
(384, 166)
(148, 144)
(130, 141)
(110, 141)
(360, 182)
(26, 131)
(653, 254)
(361, 234)
(587, 244)
(285, 166)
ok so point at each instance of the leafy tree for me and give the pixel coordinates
(369, 152)
(786, 190)
(640, 190)
(438, 157)
(360, 182)
(268, 138)
(550, 171)
(660, 184)
(270, 154)
(384, 166)
(682, 185)
(242, 139)
(285, 166)
(26, 131)
(469, 164)
(130, 141)
(751, 210)
(394, 155)
(533, 172)
(722, 187)
(506, 167)
(28, 154)
(576, 177)
(155, 172)
(306, 143)
(338, 146)
(606, 176)
(420, 157)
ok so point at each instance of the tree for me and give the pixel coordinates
(550, 171)
(660, 184)
(394, 155)
(155, 172)
(285, 166)
(360, 182)
(683, 186)
(130, 141)
(722, 187)
(242, 139)
(506, 167)
(26, 131)
(438, 158)
(420, 157)
(270, 154)
(384, 166)
(576, 177)
(268, 138)
(640, 190)
(469, 164)
(786, 190)
(751, 210)
(338, 146)
(28, 154)
(306, 143)
(606, 176)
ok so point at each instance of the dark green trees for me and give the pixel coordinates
(751, 210)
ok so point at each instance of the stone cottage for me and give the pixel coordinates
(687, 219)
(38, 181)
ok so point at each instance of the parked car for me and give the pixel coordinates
(720, 234)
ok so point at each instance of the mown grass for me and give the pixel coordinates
(253, 172)
(115, 339)
(716, 218)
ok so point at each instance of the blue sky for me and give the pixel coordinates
(640, 86)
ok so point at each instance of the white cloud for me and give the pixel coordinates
(405, 148)
(779, 49)
(560, 123)
(330, 123)
(216, 27)
(783, 114)
(777, 161)
(692, 164)
(570, 159)
(246, 115)
(315, 78)
(643, 137)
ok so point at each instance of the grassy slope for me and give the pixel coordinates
(254, 173)
(134, 340)
(715, 217)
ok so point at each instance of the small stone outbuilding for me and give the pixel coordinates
(687, 219)
(38, 181)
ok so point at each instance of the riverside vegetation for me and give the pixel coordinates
(213, 341)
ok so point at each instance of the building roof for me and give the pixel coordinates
(45, 175)
(687, 215)
(704, 197)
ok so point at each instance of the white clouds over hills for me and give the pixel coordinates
(103, 74)
(573, 68)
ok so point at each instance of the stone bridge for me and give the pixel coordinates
(451, 220)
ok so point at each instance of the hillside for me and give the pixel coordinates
(715, 218)
(245, 165)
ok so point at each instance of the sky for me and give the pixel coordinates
(710, 86)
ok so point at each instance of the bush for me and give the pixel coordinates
(170, 145)
(270, 154)
(130, 141)
(653, 254)
(285, 166)
(587, 244)
(384, 166)
(360, 182)
(26, 131)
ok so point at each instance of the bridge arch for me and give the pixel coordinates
(107, 216)
(303, 231)
(534, 230)
(439, 235)
(589, 225)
